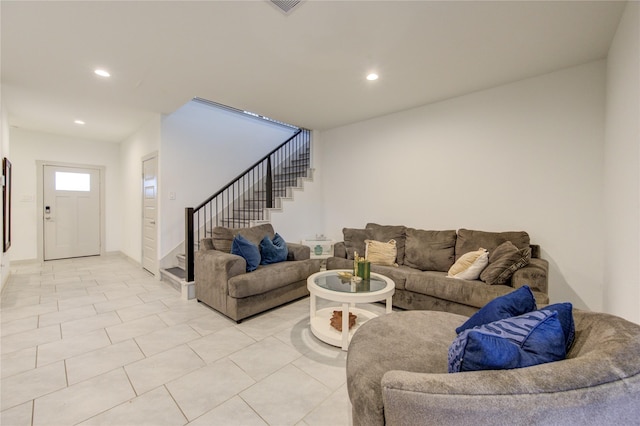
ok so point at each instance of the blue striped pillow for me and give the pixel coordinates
(530, 339)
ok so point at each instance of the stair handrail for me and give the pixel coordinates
(250, 168)
(190, 212)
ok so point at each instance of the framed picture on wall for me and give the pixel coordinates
(6, 203)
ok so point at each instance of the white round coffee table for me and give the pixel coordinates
(329, 285)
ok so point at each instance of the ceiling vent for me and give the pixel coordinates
(285, 6)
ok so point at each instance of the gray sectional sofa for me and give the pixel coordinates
(222, 282)
(425, 256)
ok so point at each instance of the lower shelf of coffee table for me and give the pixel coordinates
(321, 327)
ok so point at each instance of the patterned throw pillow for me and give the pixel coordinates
(530, 339)
(380, 253)
(504, 261)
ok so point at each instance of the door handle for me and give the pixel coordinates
(153, 222)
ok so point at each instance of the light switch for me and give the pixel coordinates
(172, 195)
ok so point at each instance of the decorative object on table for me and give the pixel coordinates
(345, 277)
(336, 320)
(364, 269)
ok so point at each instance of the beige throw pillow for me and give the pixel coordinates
(381, 253)
(470, 265)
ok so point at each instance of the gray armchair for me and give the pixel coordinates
(397, 374)
(222, 282)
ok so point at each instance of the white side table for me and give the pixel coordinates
(320, 249)
(328, 285)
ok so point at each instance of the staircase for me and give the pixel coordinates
(246, 201)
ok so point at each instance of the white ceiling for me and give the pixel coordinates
(306, 68)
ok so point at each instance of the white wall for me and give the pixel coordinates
(202, 149)
(5, 258)
(144, 142)
(523, 156)
(622, 170)
(27, 147)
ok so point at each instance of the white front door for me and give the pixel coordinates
(149, 214)
(71, 216)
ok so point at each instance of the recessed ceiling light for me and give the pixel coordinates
(79, 122)
(372, 76)
(102, 73)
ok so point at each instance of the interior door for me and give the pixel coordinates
(150, 214)
(71, 216)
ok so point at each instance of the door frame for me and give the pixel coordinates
(40, 202)
(147, 157)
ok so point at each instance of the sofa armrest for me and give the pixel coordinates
(298, 251)
(213, 269)
(535, 275)
(340, 250)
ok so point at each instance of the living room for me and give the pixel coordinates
(555, 154)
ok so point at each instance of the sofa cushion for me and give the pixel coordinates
(273, 251)
(504, 260)
(247, 250)
(354, 240)
(390, 232)
(470, 265)
(380, 253)
(530, 339)
(473, 293)
(270, 277)
(469, 240)
(517, 302)
(430, 250)
(223, 237)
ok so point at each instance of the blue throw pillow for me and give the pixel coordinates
(273, 251)
(517, 302)
(565, 316)
(530, 339)
(249, 251)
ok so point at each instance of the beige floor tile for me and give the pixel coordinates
(162, 368)
(31, 338)
(263, 325)
(113, 305)
(232, 412)
(17, 416)
(264, 357)
(328, 367)
(141, 310)
(19, 312)
(131, 329)
(100, 361)
(53, 318)
(181, 313)
(154, 408)
(220, 344)
(335, 410)
(83, 400)
(87, 325)
(18, 326)
(211, 323)
(19, 299)
(71, 346)
(203, 389)
(166, 338)
(18, 362)
(286, 396)
(75, 302)
(31, 384)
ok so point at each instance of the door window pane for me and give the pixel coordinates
(66, 181)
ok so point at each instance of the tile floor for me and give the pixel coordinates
(98, 341)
